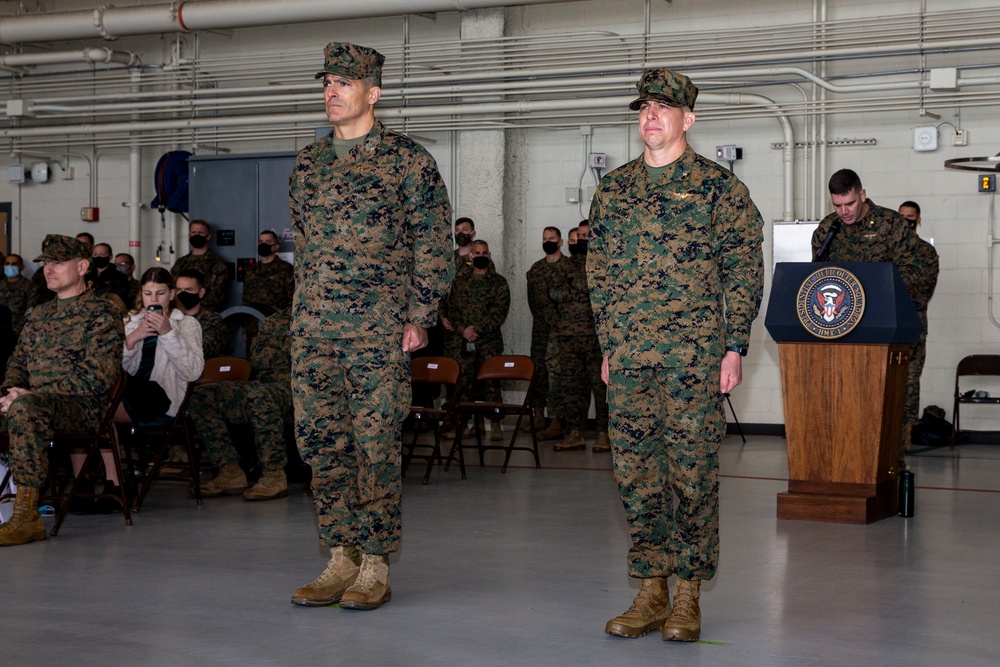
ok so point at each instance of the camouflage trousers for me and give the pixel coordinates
(575, 366)
(912, 408)
(265, 406)
(470, 361)
(539, 349)
(350, 397)
(33, 419)
(666, 429)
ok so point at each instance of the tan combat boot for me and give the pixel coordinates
(496, 430)
(573, 441)
(537, 422)
(684, 622)
(602, 443)
(649, 610)
(25, 523)
(553, 432)
(340, 573)
(272, 484)
(231, 481)
(371, 590)
(470, 430)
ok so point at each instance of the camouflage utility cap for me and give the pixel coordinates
(663, 85)
(352, 61)
(59, 248)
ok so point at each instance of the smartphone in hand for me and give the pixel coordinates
(155, 308)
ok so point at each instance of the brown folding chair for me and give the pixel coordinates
(220, 369)
(433, 371)
(506, 368)
(976, 364)
(103, 439)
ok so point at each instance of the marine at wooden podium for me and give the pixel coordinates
(859, 230)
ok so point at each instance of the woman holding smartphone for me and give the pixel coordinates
(162, 352)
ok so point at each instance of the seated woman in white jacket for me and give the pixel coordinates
(162, 353)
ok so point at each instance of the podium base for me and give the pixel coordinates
(838, 503)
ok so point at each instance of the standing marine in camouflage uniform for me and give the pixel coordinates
(475, 310)
(370, 215)
(554, 430)
(211, 265)
(929, 268)
(576, 359)
(861, 231)
(676, 277)
(465, 234)
(866, 232)
(58, 378)
(190, 285)
(543, 317)
(16, 291)
(265, 402)
(270, 281)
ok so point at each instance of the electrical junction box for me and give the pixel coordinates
(90, 214)
(944, 78)
(925, 138)
(730, 152)
(597, 160)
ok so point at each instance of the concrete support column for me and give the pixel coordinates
(481, 155)
(491, 191)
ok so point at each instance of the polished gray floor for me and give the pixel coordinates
(519, 569)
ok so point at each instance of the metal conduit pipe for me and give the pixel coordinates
(92, 55)
(109, 22)
(519, 106)
(414, 95)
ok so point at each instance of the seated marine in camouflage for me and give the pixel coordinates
(57, 380)
(475, 310)
(16, 291)
(190, 285)
(265, 402)
(270, 281)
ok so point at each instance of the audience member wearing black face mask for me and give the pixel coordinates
(104, 278)
(211, 266)
(214, 332)
(271, 280)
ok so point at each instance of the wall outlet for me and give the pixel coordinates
(961, 137)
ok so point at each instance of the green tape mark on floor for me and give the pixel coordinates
(703, 641)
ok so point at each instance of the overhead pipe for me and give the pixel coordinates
(96, 55)
(514, 106)
(397, 89)
(109, 22)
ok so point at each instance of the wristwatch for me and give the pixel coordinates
(740, 349)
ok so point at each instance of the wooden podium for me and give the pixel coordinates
(844, 395)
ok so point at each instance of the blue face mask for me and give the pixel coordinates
(11, 271)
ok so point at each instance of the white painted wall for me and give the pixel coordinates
(955, 215)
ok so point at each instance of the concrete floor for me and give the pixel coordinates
(519, 569)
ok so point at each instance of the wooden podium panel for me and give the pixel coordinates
(843, 408)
